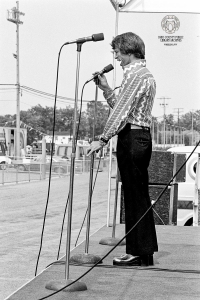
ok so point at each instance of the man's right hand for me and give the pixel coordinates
(102, 83)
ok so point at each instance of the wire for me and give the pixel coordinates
(63, 222)
(76, 138)
(48, 95)
(44, 93)
(8, 84)
(93, 184)
(87, 207)
(52, 146)
(80, 111)
(65, 215)
(52, 149)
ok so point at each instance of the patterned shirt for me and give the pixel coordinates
(134, 102)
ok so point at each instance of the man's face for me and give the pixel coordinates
(123, 58)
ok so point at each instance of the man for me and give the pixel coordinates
(130, 119)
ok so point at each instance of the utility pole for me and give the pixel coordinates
(194, 118)
(14, 17)
(178, 111)
(164, 104)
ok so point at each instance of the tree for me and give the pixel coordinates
(191, 119)
(40, 120)
(169, 119)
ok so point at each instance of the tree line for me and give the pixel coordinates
(41, 120)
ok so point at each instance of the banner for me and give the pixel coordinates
(175, 6)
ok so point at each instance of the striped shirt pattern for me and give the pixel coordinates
(134, 102)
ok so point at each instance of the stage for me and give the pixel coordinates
(175, 274)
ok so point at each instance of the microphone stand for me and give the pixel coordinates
(89, 258)
(56, 285)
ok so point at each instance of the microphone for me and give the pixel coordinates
(94, 38)
(107, 69)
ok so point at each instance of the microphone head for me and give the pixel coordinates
(97, 37)
(108, 68)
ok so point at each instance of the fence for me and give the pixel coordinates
(166, 136)
(26, 172)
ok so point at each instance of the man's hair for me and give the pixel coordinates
(131, 43)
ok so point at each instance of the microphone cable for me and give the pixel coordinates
(91, 195)
(52, 149)
(87, 207)
(68, 194)
(64, 215)
(151, 206)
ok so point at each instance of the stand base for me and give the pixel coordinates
(59, 284)
(110, 241)
(85, 259)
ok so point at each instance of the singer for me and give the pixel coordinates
(130, 119)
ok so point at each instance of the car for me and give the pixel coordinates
(4, 159)
(4, 162)
(35, 164)
(78, 164)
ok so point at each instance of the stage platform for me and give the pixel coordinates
(175, 274)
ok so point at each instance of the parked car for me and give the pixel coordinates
(4, 162)
(35, 164)
(4, 159)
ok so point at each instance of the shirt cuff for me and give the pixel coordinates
(108, 94)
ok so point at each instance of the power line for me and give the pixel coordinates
(48, 95)
(34, 91)
(7, 84)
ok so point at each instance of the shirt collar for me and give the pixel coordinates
(135, 65)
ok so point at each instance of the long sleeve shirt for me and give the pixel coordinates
(134, 102)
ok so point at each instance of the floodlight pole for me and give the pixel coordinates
(14, 17)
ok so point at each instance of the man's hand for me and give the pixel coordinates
(102, 82)
(95, 146)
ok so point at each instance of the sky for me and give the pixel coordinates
(48, 24)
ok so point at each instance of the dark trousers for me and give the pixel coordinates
(134, 148)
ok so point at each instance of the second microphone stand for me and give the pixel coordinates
(87, 258)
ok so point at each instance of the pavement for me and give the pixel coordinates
(22, 213)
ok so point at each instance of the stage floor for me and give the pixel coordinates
(175, 274)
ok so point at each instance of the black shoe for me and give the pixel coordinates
(130, 260)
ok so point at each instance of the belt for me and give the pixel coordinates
(132, 126)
